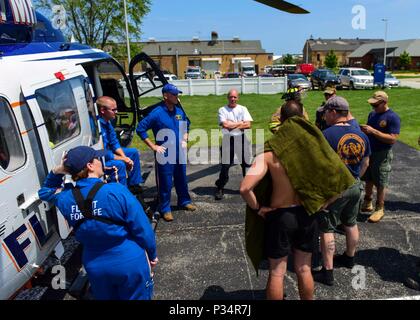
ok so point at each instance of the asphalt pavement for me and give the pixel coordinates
(202, 254)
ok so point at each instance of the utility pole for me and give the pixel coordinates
(386, 32)
(126, 33)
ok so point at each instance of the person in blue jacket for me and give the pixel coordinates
(119, 247)
(125, 160)
(170, 126)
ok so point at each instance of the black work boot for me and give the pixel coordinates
(343, 260)
(218, 194)
(324, 276)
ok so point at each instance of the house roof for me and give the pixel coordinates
(394, 48)
(338, 44)
(197, 47)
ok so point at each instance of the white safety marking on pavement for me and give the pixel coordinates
(247, 266)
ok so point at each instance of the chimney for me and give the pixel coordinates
(214, 36)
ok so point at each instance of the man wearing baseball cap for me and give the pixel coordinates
(170, 126)
(320, 112)
(383, 129)
(107, 219)
(352, 146)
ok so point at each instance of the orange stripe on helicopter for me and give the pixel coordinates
(17, 104)
(25, 132)
(3, 180)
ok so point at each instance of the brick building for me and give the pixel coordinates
(211, 55)
(366, 56)
(315, 50)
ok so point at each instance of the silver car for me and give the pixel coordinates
(298, 80)
(391, 81)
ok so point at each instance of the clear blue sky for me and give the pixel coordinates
(279, 32)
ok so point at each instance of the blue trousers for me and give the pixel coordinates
(130, 178)
(122, 280)
(167, 173)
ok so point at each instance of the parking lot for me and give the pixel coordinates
(202, 254)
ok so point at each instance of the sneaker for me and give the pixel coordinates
(324, 276)
(168, 217)
(412, 284)
(367, 206)
(377, 215)
(219, 194)
(343, 260)
(190, 207)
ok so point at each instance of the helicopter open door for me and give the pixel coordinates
(109, 79)
(145, 72)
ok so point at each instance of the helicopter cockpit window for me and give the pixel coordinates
(59, 109)
(12, 154)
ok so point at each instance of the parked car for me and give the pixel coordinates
(265, 75)
(305, 69)
(232, 75)
(193, 72)
(322, 78)
(391, 81)
(298, 80)
(169, 77)
(355, 78)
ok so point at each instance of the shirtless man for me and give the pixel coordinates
(288, 227)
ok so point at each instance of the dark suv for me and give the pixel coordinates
(322, 78)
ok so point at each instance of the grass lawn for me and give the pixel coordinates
(202, 110)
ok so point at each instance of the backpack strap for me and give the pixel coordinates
(85, 206)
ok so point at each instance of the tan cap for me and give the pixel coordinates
(330, 90)
(378, 96)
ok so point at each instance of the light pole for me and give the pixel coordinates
(386, 32)
(126, 32)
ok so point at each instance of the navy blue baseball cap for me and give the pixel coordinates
(77, 158)
(170, 88)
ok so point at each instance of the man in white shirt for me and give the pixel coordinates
(234, 119)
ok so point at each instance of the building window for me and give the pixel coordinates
(12, 154)
(318, 57)
(194, 62)
(59, 109)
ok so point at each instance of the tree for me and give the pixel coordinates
(288, 59)
(331, 60)
(405, 60)
(97, 23)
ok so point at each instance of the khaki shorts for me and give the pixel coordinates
(343, 210)
(379, 168)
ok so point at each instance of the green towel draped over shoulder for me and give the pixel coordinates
(316, 172)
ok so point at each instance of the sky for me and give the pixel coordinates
(281, 32)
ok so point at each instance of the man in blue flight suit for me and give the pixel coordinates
(170, 126)
(126, 161)
(119, 247)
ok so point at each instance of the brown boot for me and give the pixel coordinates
(190, 207)
(377, 215)
(168, 217)
(367, 206)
